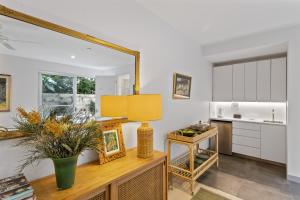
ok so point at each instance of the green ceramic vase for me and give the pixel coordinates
(65, 169)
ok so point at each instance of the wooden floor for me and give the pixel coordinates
(251, 180)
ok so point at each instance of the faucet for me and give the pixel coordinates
(273, 114)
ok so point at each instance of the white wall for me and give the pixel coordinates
(105, 85)
(163, 52)
(129, 70)
(292, 37)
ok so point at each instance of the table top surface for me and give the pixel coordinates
(92, 176)
(177, 138)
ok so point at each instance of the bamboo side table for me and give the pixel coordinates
(178, 166)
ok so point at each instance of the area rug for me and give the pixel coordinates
(204, 194)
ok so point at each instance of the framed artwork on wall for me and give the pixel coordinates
(181, 86)
(111, 143)
(5, 91)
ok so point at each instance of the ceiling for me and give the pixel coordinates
(33, 42)
(212, 21)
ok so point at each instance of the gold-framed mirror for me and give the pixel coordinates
(51, 66)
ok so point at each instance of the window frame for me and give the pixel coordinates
(74, 78)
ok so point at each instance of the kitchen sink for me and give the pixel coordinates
(275, 122)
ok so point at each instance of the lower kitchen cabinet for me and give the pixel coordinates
(246, 141)
(265, 141)
(273, 143)
(246, 150)
(246, 138)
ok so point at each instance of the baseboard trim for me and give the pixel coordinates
(259, 159)
(293, 178)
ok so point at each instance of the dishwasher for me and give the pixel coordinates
(225, 136)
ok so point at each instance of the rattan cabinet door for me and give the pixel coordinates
(146, 186)
(101, 194)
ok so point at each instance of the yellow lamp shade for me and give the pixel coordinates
(146, 107)
(113, 106)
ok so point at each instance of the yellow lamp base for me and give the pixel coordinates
(145, 141)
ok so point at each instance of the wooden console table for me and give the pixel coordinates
(127, 178)
(5, 135)
(183, 166)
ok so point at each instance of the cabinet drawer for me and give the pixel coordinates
(249, 151)
(247, 141)
(245, 132)
(246, 125)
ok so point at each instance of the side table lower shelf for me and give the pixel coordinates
(178, 166)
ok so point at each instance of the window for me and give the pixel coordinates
(86, 94)
(66, 94)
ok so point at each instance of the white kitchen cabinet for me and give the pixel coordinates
(222, 83)
(246, 141)
(245, 150)
(278, 79)
(246, 133)
(246, 138)
(238, 82)
(260, 140)
(273, 143)
(246, 125)
(263, 80)
(250, 81)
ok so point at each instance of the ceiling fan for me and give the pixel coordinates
(6, 42)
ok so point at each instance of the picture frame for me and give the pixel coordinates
(181, 86)
(111, 143)
(5, 92)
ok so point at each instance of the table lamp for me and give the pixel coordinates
(144, 108)
(113, 106)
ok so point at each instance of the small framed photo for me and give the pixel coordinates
(111, 143)
(5, 87)
(181, 86)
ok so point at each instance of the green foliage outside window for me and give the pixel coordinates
(64, 84)
(57, 84)
(58, 94)
(85, 85)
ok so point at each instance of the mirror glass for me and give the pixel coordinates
(53, 71)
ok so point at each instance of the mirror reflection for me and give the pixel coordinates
(52, 71)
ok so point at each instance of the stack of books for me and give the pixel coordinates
(15, 188)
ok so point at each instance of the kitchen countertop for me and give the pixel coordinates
(260, 121)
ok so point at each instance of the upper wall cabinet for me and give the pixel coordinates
(263, 80)
(278, 79)
(238, 82)
(222, 83)
(250, 81)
